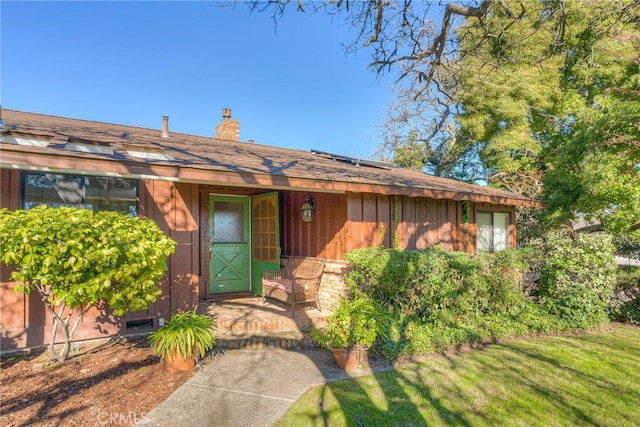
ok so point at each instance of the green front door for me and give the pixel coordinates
(229, 268)
(266, 238)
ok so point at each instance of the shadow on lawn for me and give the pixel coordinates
(367, 401)
(361, 409)
(565, 380)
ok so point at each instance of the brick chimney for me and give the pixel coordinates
(228, 128)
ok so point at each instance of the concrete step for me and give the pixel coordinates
(287, 340)
(274, 324)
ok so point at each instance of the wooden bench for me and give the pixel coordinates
(296, 283)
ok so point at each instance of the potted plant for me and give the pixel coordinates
(183, 339)
(352, 328)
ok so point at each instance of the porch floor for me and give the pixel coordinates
(244, 322)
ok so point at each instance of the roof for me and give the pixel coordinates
(190, 158)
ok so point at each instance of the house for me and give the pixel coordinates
(233, 207)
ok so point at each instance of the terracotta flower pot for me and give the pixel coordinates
(177, 363)
(348, 358)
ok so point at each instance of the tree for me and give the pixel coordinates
(546, 101)
(555, 106)
(594, 157)
(77, 259)
(418, 41)
(509, 82)
(503, 91)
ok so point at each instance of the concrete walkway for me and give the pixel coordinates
(249, 388)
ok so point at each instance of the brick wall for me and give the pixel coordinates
(332, 286)
(228, 128)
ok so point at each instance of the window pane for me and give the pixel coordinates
(111, 194)
(485, 232)
(90, 192)
(228, 222)
(500, 231)
(52, 190)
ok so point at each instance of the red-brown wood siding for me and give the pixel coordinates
(324, 236)
(9, 189)
(174, 207)
(421, 226)
(422, 222)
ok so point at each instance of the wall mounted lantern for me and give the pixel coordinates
(307, 210)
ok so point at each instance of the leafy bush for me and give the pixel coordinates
(436, 285)
(577, 276)
(625, 304)
(441, 298)
(77, 259)
(526, 319)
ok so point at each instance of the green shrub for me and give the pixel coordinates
(625, 304)
(503, 275)
(577, 276)
(186, 335)
(439, 286)
(441, 298)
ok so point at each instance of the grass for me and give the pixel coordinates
(587, 379)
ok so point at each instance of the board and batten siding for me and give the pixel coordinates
(324, 237)
(419, 222)
(345, 222)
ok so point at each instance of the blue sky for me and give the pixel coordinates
(133, 62)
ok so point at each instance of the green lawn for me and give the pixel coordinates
(588, 379)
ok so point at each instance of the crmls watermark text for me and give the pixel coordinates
(121, 418)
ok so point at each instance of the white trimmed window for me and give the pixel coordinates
(493, 231)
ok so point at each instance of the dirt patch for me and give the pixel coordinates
(113, 383)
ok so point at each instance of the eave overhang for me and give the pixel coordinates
(35, 159)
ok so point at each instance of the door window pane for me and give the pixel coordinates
(265, 247)
(228, 222)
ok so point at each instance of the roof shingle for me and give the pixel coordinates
(224, 156)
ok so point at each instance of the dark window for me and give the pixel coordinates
(90, 192)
